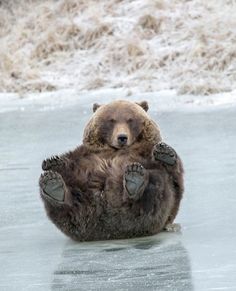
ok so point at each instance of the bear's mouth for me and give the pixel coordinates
(119, 147)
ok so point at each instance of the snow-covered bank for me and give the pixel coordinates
(166, 100)
(141, 46)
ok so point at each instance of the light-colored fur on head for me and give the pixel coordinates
(150, 131)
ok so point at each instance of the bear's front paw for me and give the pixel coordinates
(164, 153)
(54, 163)
(135, 180)
(52, 186)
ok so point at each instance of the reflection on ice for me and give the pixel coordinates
(153, 263)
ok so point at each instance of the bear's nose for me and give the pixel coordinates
(122, 139)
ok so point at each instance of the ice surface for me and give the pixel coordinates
(34, 255)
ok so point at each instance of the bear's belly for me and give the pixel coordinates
(127, 220)
(121, 226)
(103, 174)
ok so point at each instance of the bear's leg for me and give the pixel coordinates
(63, 207)
(55, 163)
(164, 153)
(173, 165)
(135, 180)
(53, 188)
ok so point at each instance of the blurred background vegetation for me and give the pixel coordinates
(142, 45)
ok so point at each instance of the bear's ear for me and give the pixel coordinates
(144, 105)
(96, 106)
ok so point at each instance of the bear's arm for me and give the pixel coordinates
(65, 162)
(170, 160)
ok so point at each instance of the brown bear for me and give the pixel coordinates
(122, 182)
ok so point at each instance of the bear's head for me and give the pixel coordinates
(120, 124)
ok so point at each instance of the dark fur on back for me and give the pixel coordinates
(96, 207)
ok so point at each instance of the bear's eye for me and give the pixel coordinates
(112, 120)
(130, 120)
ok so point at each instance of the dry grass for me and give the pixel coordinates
(143, 45)
(149, 22)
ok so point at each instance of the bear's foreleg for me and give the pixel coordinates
(55, 163)
(54, 189)
(170, 160)
(135, 180)
(164, 153)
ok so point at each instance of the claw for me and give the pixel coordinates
(135, 180)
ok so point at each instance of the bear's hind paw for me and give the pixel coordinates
(135, 180)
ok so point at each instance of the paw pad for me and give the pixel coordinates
(164, 153)
(135, 180)
(52, 185)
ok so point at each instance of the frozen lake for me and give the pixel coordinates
(34, 255)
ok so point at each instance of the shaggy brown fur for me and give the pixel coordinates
(86, 191)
